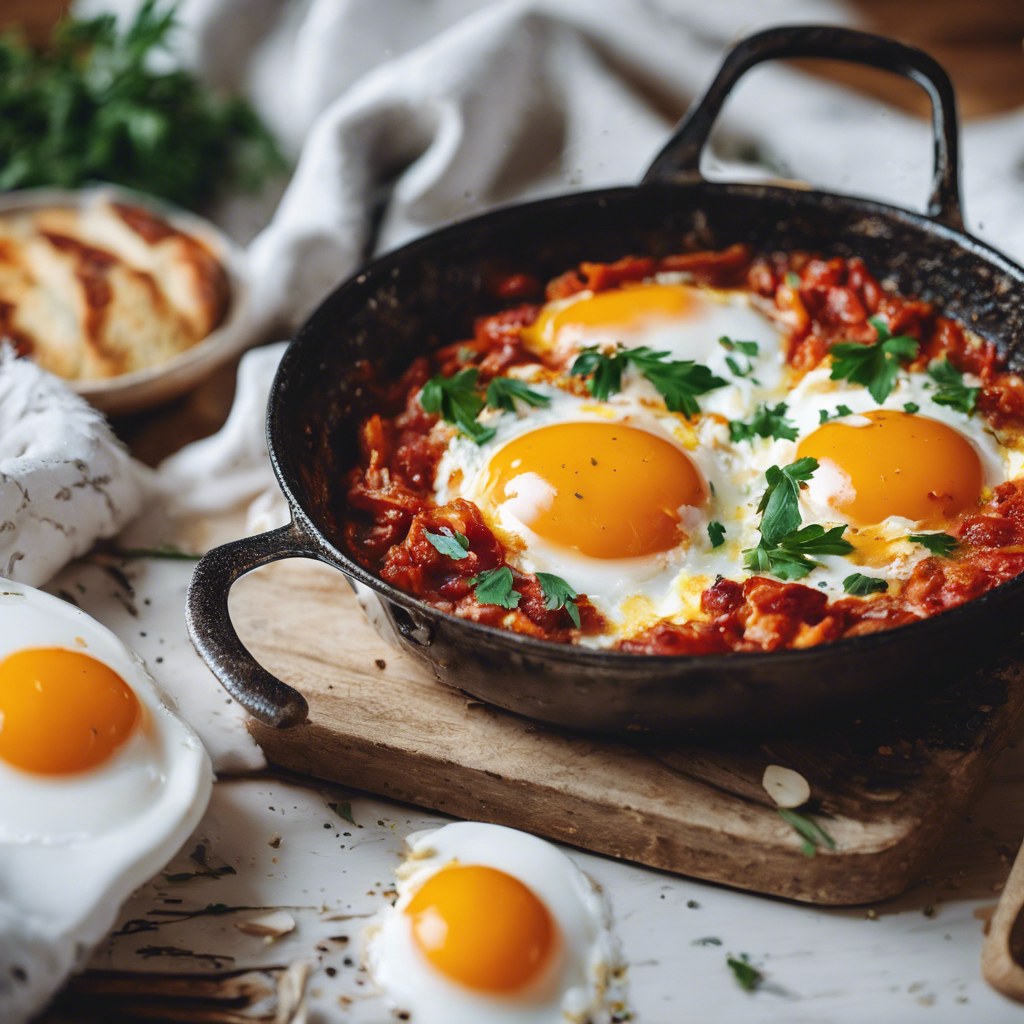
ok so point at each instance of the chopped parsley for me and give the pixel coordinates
(449, 542)
(503, 391)
(343, 811)
(746, 348)
(859, 585)
(495, 587)
(766, 422)
(951, 388)
(456, 401)
(936, 543)
(558, 594)
(875, 366)
(812, 834)
(786, 550)
(912, 408)
(716, 533)
(748, 976)
(841, 410)
(679, 381)
(793, 279)
(790, 558)
(709, 940)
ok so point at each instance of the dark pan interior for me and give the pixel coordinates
(429, 292)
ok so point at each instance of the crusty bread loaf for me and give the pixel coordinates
(96, 292)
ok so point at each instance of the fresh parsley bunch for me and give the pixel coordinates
(90, 107)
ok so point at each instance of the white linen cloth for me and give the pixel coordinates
(65, 480)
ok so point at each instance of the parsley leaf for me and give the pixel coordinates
(952, 391)
(495, 587)
(748, 976)
(94, 105)
(859, 585)
(936, 543)
(747, 348)
(455, 400)
(875, 366)
(678, 380)
(449, 542)
(716, 533)
(780, 501)
(502, 392)
(559, 594)
(606, 369)
(789, 558)
(912, 408)
(766, 422)
(810, 831)
(343, 810)
(841, 410)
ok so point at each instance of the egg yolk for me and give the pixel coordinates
(620, 307)
(62, 711)
(898, 464)
(606, 490)
(482, 928)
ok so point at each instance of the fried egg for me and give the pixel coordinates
(492, 924)
(641, 508)
(101, 783)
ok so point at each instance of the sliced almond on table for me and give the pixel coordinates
(785, 786)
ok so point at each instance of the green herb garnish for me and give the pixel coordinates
(810, 831)
(678, 381)
(859, 585)
(790, 558)
(875, 366)
(716, 533)
(747, 348)
(780, 503)
(793, 279)
(911, 407)
(495, 587)
(455, 400)
(952, 391)
(748, 976)
(449, 542)
(709, 940)
(936, 543)
(502, 392)
(841, 410)
(343, 811)
(91, 105)
(558, 594)
(766, 422)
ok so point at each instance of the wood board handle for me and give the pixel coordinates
(1002, 958)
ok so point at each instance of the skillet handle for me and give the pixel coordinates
(263, 695)
(680, 158)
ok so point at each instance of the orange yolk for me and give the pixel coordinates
(606, 490)
(482, 928)
(62, 711)
(621, 307)
(898, 465)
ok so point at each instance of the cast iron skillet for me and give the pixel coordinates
(429, 290)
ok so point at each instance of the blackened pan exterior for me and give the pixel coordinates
(430, 291)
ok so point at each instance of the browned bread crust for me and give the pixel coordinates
(108, 289)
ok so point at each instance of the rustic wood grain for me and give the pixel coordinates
(885, 789)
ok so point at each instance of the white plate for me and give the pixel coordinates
(155, 385)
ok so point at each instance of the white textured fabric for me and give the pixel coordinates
(412, 113)
(65, 481)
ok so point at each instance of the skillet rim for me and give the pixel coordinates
(602, 657)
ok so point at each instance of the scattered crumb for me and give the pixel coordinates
(275, 841)
(270, 926)
(381, 664)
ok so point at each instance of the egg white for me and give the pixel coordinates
(73, 848)
(634, 594)
(586, 982)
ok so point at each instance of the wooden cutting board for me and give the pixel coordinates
(886, 789)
